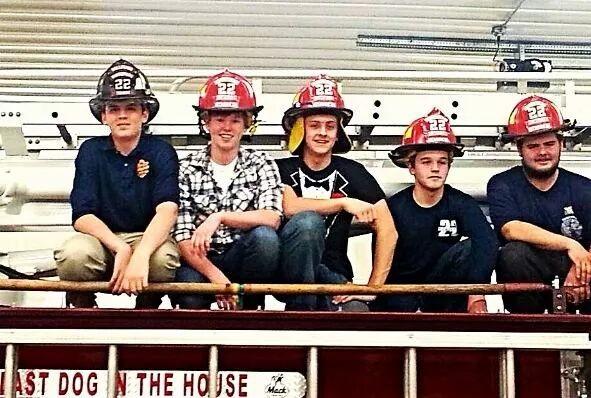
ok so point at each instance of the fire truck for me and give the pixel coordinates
(112, 351)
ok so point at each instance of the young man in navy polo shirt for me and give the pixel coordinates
(125, 196)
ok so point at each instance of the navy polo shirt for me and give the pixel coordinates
(107, 185)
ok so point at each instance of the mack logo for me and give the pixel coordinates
(276, 388)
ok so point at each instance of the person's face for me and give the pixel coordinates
(321, 134)
(430, 169)
(124, 118)
(540, 155)
(226, 129)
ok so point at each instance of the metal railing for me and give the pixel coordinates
(312, 340)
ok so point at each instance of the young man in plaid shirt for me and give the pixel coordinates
(230, 200)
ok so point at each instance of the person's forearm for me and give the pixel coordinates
(250, 219)
(200, 263)
(529, 233)
(159, 228)
(386, 237)
(92, 225)
(323, 207)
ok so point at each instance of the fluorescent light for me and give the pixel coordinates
(474, 45)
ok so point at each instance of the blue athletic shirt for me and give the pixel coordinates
(425, 233)
(564, 209)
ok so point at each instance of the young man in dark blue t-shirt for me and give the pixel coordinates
(442, 235)
(541, 212)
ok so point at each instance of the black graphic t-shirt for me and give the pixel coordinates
(425, 233)
(564, 209)
(341, 178)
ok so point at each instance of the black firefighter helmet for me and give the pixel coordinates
(122, 80)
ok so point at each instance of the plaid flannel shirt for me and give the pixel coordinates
(256, 186)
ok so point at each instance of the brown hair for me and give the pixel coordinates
(246, 115)
(411, 157)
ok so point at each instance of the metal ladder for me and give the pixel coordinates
(506, 372)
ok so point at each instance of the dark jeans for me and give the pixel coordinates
(454, 266)
(251, 259)
(302, 246)
(522, 262)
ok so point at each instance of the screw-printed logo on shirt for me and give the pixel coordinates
(571, 226)
(447, 228)
(142, 168)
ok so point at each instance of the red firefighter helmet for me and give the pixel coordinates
(227, 91)
(431, 132)
(320, 95)
(122, 80)
(536, 115)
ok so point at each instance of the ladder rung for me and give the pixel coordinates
(312, 373)
(410, 373)
(112, 369)
(507, 374)
(213, 370)
(10, 370)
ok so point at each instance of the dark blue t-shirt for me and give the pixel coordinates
(341, 178)
(425, 233)
(564, 209)
(107, 185)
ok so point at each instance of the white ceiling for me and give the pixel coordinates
(313, 34)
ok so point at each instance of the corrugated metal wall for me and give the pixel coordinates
(313, 34)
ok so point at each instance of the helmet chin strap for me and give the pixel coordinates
(202, 129)
(253, 126)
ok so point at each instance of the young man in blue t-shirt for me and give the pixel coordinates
(442, 235)
(541, 212)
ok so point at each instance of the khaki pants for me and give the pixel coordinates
(84, 258)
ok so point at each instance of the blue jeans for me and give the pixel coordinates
(302, 247)
(251, 259)
(454, 266)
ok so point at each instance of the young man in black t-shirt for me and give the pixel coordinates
(443, 237)
(322, 194)
(541, 212)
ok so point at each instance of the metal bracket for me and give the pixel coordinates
(572, 139)
(363, 135)
(13, 141)
(502, 139)
(558, 297)
(65, 134)
(573, 369)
